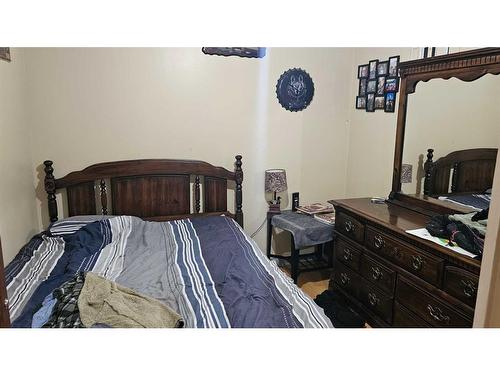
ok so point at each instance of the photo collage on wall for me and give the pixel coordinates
(378, 85)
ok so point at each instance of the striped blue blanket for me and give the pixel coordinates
(206, 269)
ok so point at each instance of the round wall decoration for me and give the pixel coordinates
(295, 89)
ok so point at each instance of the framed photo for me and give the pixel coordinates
(372, 69)
(5, 53)
(362, 87)
(391, 84)
(379, 102)
(371, 87)
(360, 102)
(363, 71)
(393, 66)
(381, 85)
(390, 102)
(382, 68)
(370, 103)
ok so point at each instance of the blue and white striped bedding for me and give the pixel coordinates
(207, 269)
(477, 202)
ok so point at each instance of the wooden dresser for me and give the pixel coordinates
(395, 279)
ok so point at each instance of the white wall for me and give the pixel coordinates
(95, 105)
(17, 207)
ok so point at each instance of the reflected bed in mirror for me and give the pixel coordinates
(448, 131)
(457, 120)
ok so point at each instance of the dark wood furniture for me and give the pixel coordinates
(466, 66)
(471, 172)
(395, 279)
(322, 257)
(153, 189)
(4, 302)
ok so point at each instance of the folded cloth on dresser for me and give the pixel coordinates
(459, 229)
(104, 302)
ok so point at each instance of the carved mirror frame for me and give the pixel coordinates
(466, 66)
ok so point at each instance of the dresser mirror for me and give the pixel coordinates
(448, 131)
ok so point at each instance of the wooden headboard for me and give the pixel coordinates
(153, 189)
(471, 171)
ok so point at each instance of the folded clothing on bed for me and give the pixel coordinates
(89, 300)
(104, 302)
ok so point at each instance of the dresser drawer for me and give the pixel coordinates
(403, 318)
(434, 311)
(406, 256)
(375, 300)
(461, 284)
(350, 227)
(346, 279)
(347, 254)
(378, 274)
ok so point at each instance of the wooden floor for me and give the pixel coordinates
(312, 283)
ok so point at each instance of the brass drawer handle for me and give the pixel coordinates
(437, 314)
(372, 298)
(347, 254)
(376, 273)
(469, 288)
(6, 303)
(417, 262)
(349, 226)
(344, 279)
(378, 242)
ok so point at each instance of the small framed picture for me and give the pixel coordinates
(5, 53)
(390, 102)
(382, 68)
(391, 84)
(393, 66)
(372, 69)
(379, 102)
(360, 102)
(363, 71)
(371, 87)
(370, 103)
(362, 87)
(380, 85)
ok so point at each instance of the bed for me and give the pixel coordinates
(464, 177)
(163, 229)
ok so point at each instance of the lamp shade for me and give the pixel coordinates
(275, 180)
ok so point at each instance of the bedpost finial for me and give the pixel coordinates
(50, 189)
(48, 166)
(238, 172)
(430, 154)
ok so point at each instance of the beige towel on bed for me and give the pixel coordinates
(103, 301)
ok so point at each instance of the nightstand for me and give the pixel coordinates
(305, 232)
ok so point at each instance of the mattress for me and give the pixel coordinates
(207, 269)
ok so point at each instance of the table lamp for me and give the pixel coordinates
(275, 182)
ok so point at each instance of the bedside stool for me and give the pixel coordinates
(305, 232)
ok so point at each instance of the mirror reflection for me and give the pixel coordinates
(451, 140)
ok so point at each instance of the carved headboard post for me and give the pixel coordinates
(239, 193)
(428, 170)
(50, 188)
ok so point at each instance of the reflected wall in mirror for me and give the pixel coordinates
(449, 116)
